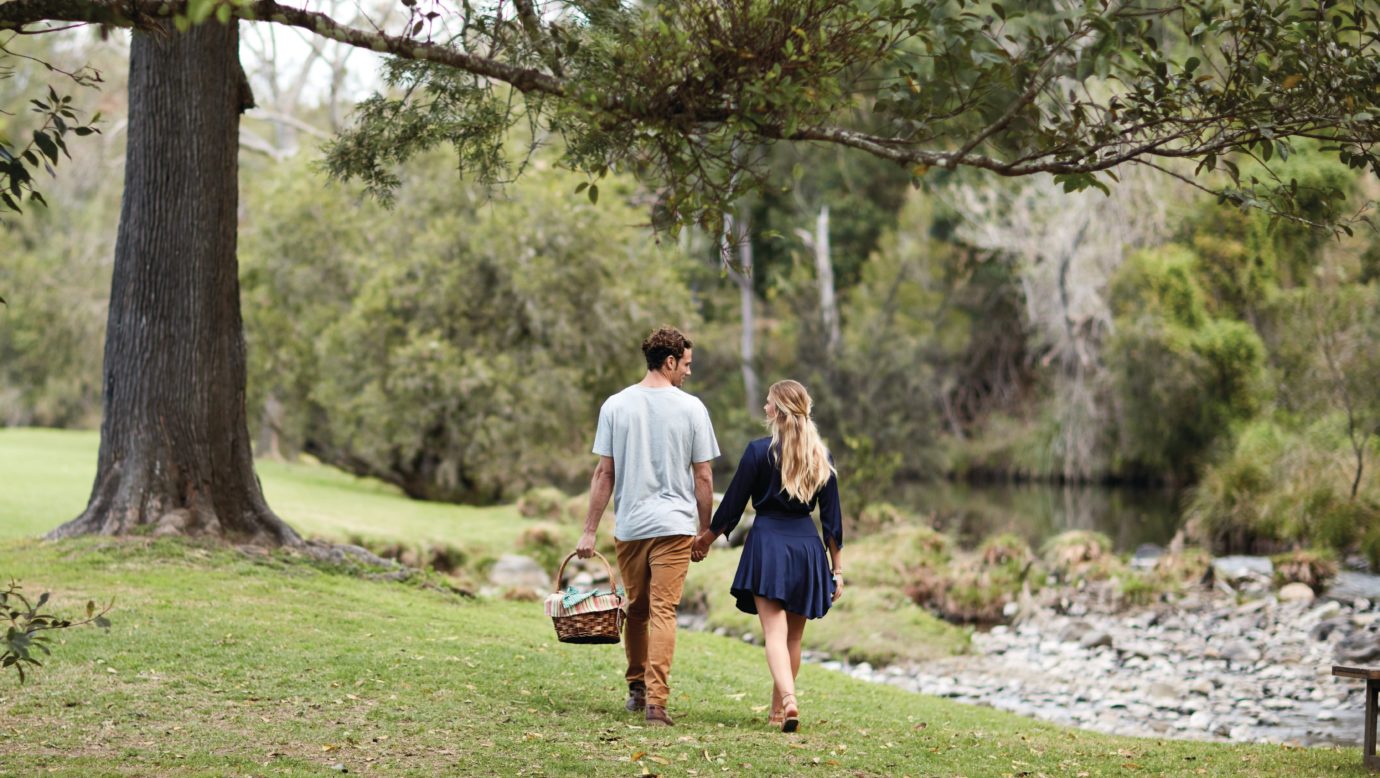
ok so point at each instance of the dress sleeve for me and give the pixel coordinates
(736, 498)
(830, 513)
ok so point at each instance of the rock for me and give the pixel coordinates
(1349, 586)
(1324, 629)
(1237, 568)
(1358, 647)
(1240, 652)
(1296, 592)
(1010, 609)
(512, 570)
(1323, 612)
(1096, 638)
(1202, 686)
(1145, 556)
(1073, 631)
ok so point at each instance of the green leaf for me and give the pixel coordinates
(46, 145)
(594, 193)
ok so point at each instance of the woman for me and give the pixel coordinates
(783, 575)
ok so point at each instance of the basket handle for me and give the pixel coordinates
(560, 573)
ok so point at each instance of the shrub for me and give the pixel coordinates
(1314, 568)
(27, 622)
(542, 502)
(1080, 555)
(879, 516)
(1277, 489)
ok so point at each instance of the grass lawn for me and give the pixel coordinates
(222, 662)
(47, 475)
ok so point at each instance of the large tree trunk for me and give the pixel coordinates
(175, 449)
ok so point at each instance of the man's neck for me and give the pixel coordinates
(655, 379)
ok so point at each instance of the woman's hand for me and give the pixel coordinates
(838, 587)
(700, 549)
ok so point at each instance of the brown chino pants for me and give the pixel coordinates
(653, 573)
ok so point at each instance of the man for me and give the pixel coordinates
(654, 443)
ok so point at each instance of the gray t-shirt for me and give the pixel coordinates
(654, 435)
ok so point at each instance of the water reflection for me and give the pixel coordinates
(1036, 512)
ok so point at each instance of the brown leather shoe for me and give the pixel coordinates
(656, 717)
(637, 697)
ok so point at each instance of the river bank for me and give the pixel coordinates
(1222, 663)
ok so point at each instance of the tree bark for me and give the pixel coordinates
(175, 454)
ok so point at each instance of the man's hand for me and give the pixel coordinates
(585, 548)
(700, 549)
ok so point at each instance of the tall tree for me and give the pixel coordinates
(175, 448)
(668, 90)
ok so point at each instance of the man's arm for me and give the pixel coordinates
(600, 490)
(704, 492)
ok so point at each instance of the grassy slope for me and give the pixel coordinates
(220, 662)
(48, 476)
(225, 663)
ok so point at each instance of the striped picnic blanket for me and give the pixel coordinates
(582, 602)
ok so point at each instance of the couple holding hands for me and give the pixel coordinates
(655, 444)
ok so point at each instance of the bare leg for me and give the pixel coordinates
(795, 630)
(774, 633)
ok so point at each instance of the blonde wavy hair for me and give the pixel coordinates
(795, 441)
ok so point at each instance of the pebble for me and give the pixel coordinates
(1208, 669)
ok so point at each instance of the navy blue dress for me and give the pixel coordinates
(783, 558)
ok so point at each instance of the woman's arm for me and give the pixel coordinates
(731, 507)
(836, 563)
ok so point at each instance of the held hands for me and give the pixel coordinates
(585, 548)
(838, 587)
(700, 549)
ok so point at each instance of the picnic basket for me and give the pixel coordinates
(597, 617)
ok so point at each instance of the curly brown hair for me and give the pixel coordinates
(665, 341)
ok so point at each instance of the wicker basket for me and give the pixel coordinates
(601, 626)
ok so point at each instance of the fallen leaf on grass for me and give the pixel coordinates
(637, 755)
(658, 759)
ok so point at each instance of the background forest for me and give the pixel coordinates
(967, 332)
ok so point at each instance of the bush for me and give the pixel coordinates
(901, 556)
(879, 516)
(1180, 569)
(1080, 555)
(1277, 489)
(543, 502)
(1314, 568)
(548, 543)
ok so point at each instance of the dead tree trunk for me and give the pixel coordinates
(175, 450)
(824, 269)
(737, 234)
